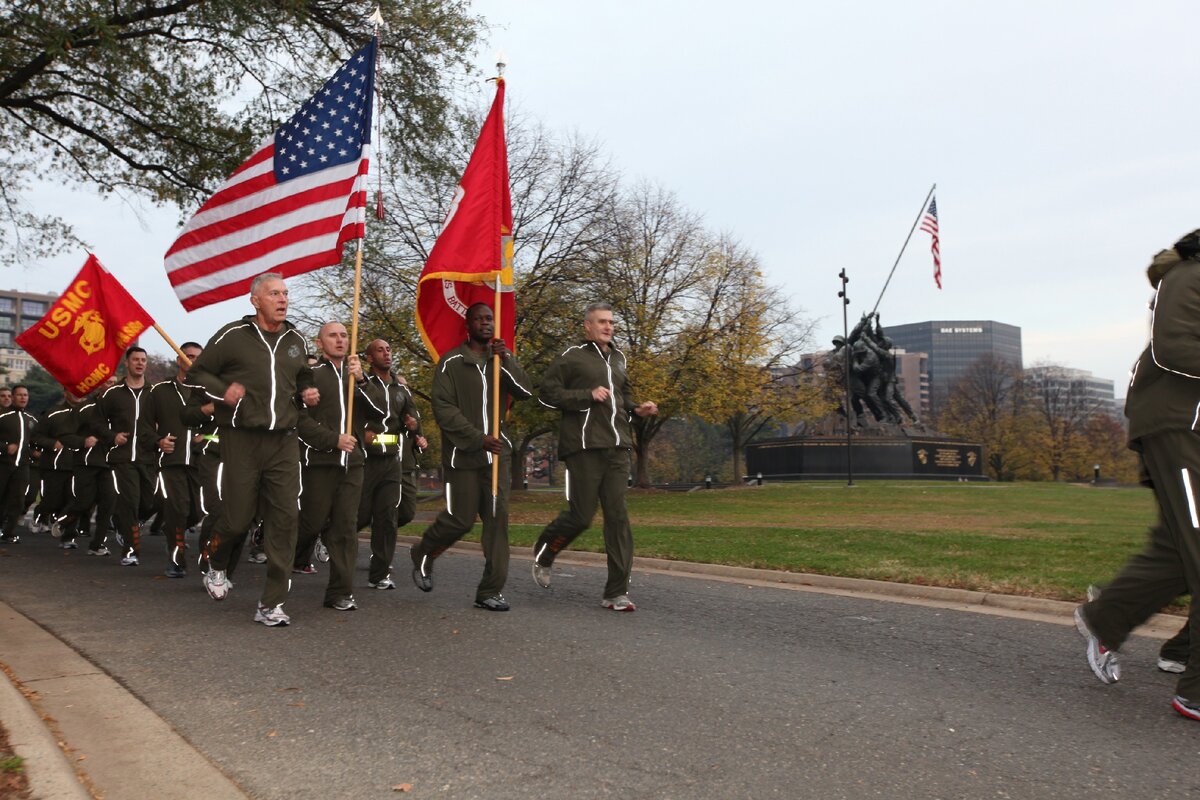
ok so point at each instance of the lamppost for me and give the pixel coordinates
(846, 350)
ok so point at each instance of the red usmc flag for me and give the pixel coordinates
(86, 330)
(474, 248)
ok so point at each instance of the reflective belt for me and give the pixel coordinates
(386, 438)
(211, 437)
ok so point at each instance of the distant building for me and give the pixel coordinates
(1077, 387)
(952, 346)
(912, 370)
(18, 311)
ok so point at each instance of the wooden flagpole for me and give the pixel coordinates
(496, 399)
(350, 387)
(501, 63)
(920, 213)
(377, 19)
(171, 342)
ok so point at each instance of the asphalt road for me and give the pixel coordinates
(709, 690)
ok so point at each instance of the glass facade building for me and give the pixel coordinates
(18, 311)
(952, 346)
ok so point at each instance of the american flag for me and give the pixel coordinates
(293, 204)
(929, 224)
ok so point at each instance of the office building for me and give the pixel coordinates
(951, 347)
(18, 311)
(1078, 391)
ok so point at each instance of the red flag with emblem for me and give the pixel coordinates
(475, 247)
(85, 333)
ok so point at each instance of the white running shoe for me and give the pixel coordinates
(272, 617)
(1171, 665)
(1104, 662)
(619, 603)
(216, 584)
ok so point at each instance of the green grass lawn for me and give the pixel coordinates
(1043, 539)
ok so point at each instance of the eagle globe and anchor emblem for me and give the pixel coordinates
(91, 339)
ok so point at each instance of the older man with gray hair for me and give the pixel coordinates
(256, 370)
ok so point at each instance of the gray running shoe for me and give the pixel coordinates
(257, 557)
(99, 551)
(342, 604)
(386, 583)
(69, 545)
(619, 603)
(494, 603)
(271, 617)
(541, 575)
(1104, 662)
(129, 561)
(321, 552)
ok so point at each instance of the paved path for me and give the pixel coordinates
(712, 689)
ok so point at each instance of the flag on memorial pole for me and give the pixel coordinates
(474, 251)
(293, 204)
(929, 224)
(85, 333)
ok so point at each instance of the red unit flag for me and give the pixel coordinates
(87, 329)
(475, 247)
(293, 204)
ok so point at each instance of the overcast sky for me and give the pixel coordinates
(1062, 137)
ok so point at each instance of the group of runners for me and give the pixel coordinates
(258, 440)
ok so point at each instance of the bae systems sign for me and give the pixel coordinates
(961, 330)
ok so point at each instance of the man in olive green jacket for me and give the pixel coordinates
(331, 468)
(462, 405)
(590, 385)
(1163, 407)
(389, 495)
(176, 406)
(256, 369)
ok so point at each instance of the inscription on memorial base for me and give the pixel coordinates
(824, 458)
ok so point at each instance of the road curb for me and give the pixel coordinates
(116, 743)
(50, 774)
(1160, 626)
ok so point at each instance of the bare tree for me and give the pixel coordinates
(990, 405)
(562, 194)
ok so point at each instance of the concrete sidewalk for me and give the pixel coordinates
(84, 735)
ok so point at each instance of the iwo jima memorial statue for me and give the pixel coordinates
(880, 433)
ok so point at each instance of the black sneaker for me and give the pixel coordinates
(176, 571)
(422, 573)
(494, 603)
